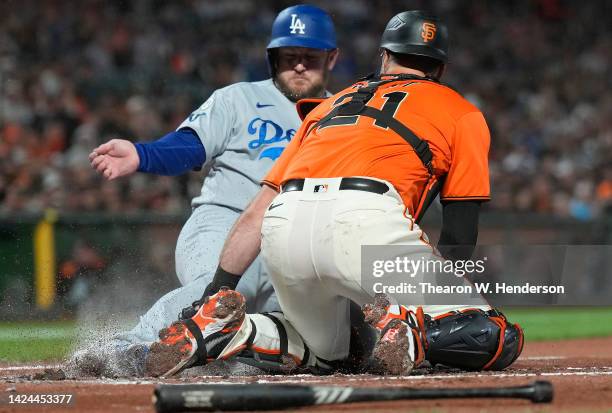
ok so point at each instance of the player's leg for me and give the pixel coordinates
(472, 339)
(166, 310)
(221, 330)
(315, 277)
(267, 341)
(311, 311)
(197, 255)
(364, 218)
(297, 238)
(466, 338)
(293, 253)
(201, 238)
(124, 354)
(487, 340)
(162, 313)
(121, 354)
(469, 336)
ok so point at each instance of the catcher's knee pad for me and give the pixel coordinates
(273, 345)
(473, 340)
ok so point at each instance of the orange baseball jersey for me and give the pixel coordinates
(455, 130)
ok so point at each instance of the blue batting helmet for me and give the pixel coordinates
(303, 26)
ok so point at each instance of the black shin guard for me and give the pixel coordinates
(473, 340)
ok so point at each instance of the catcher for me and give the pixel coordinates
(361, 170)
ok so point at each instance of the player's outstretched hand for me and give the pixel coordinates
(115, 158)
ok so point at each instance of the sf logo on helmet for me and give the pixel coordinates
(296, 24)
(428, 32)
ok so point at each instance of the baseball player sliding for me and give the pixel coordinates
(237, 134)
(359, 171)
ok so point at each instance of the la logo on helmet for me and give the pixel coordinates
(296, 24)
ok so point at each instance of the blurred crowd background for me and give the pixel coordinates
(74, 74)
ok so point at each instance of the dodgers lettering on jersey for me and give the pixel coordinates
(244, 128)
(268, 133)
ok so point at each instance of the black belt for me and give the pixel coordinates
(356, 184)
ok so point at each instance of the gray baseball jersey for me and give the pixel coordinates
(244, 128)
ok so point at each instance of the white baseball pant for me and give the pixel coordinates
(311, 244)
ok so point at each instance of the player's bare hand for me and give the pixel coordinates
(115, 158)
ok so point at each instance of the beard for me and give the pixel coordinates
(315, 90)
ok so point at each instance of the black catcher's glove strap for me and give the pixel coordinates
(222, 278)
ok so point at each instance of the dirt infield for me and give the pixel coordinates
(581, 371)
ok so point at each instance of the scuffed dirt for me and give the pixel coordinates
(375, 312)
(50, 374)
(390, 356)
(581, 372)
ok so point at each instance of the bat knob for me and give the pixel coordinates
(542, 392)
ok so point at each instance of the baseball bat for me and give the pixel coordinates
(222, 397)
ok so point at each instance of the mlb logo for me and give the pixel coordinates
(320, 188)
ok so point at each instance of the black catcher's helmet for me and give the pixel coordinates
(416, 32)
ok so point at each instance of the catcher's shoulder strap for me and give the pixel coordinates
(357, 105)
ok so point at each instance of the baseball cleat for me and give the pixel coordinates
(199, 339)
(399, 348)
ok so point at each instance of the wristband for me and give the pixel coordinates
(222, 278)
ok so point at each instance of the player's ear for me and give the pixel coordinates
(384, 60)
(332, 58)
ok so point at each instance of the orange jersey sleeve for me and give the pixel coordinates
(468, 176)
